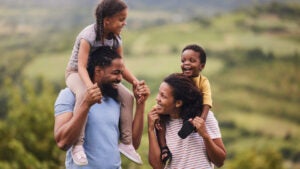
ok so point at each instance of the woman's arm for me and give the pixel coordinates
(214, 147)
(138, 121)
(154, 150)
(83, 56)
(215, 150)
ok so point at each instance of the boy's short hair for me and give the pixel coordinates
(196, 48)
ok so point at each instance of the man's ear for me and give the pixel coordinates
(98, 71)
(178, 103)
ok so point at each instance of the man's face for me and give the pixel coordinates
(111, 75)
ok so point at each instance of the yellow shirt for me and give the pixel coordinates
(203, 84)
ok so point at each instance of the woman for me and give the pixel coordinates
(204, 148)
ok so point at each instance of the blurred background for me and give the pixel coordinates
(253, 66)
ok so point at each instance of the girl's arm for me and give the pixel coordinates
(128, 76)
(83, 56)
(214, 147)
(154, 150)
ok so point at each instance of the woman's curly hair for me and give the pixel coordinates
(185, 90)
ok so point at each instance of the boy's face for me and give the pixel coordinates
(191, 64)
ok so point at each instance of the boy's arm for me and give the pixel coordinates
(207, 98)
(205, 111)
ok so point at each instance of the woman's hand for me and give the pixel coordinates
(153, 118)
(199, 124)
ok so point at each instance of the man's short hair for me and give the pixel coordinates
(103, 57)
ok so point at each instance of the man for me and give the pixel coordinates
(101, 109)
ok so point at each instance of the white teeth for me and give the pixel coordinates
(157, 106)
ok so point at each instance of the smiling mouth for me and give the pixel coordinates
(185, 70)
(115, 85)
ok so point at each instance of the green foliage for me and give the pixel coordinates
(27, 136)
(257, 158)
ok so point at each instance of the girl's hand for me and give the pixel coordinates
(141, 91)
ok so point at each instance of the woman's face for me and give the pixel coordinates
(166, 104)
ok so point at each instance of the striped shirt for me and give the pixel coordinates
(190, 153)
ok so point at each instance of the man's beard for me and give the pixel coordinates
(109, 91)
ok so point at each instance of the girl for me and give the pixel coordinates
(110, 19)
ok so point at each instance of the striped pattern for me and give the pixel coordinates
(190, 153)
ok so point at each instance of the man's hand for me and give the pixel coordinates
(93, 95)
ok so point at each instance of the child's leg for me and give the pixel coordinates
(126, 147)
(166, 154)
(77, 86)
(161, 136)
(126, 100)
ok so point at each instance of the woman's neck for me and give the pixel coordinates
(174, 115)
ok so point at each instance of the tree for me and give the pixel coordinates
(27, 132)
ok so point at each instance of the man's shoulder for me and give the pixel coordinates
(65, 96)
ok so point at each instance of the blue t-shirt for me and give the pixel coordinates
(101, 132)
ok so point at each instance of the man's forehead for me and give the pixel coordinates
(117, 64)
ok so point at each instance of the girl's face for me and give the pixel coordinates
(166, 104)
(115, 23)
(191, 64)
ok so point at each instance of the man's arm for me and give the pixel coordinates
(67, 126)
(138, 121)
